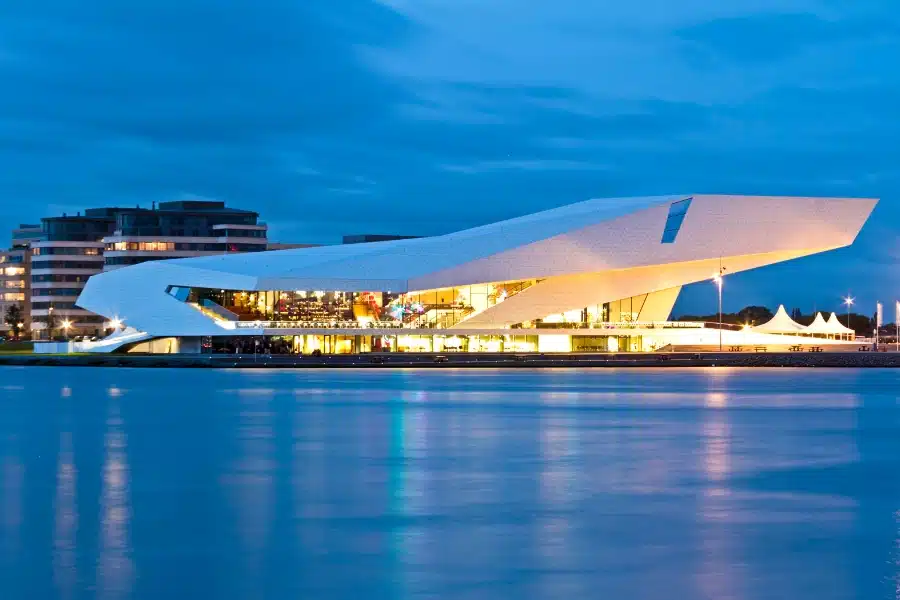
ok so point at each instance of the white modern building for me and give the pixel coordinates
(598, 275)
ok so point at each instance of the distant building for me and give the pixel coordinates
(61, 263)
(73, 248)
(15, 272)
(24, 235)
(182, 229)
(288, 246)
(374, 237)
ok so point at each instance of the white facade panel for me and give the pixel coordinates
(584, 254)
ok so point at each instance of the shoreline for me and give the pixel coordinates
(463, 360)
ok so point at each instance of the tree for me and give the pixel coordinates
(13, 318)
(52, 323)
(754, 315)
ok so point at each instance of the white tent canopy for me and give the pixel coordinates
(820, 326)
(780, 323)
(838, 327)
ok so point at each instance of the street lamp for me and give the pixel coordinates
(718, 279)
(849, 302)
(66, 325)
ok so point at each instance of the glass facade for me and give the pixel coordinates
(428, 309)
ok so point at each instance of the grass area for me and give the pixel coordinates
(16, 347)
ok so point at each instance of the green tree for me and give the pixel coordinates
(13, 318)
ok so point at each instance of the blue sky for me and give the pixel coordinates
(423, 116)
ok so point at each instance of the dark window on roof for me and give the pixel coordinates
(677, 212)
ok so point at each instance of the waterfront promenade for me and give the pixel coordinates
(464, 360)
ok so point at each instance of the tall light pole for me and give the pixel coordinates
(718, 279)
(849, 302)
(66, 324)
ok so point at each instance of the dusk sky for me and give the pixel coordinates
(333, 117)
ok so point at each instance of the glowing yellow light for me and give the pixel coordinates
(116, 323)
(66, 324)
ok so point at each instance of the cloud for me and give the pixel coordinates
(522, 165)
(763, 38)
(423, 116)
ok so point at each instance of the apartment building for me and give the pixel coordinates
(15, 273)
(182, 229)
(73, 248)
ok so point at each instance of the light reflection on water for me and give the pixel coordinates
(115, 570)
(723, 483)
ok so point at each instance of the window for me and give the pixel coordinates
(58, 305)
(13, 297)
(59, 277)
(13, 271)
(56, 292)
(677, 212)
(66, 264)
(65, 250)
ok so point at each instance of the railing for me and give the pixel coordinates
(318, 325)
(622, 325)
(514, 331)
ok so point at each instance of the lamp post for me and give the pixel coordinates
(718, 279)
(66, 325)
(849, 302)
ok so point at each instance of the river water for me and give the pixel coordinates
(622, 484)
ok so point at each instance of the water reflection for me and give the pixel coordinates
(384, 484)
(717, 574)
(115, 569)
(249, 484)
(65, 575)
(13, 475)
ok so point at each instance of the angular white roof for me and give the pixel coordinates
(583, 254)
(780, 323)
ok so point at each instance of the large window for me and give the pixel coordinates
(56, 292)
(59, 304)
(59, 278)
(242, 233)
(67, 264)
(65, 251)
(677, 212)
(140, 246)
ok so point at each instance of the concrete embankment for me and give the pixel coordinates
(461, 360)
